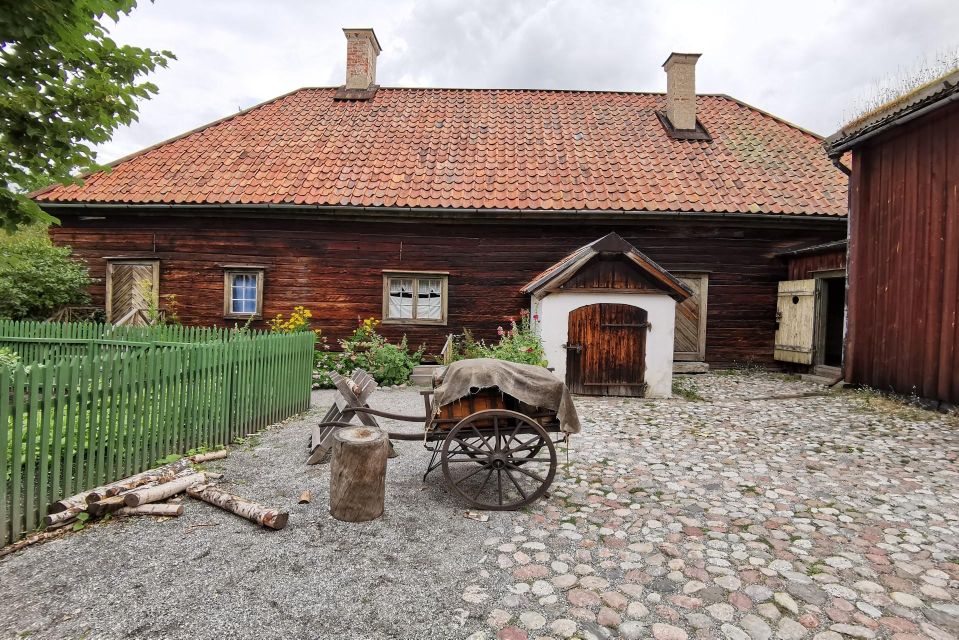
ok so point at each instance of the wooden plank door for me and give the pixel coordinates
(795, 318)
(131, 284)
(689, 343)
(606, 350)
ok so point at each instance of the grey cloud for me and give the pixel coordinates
(808, 62)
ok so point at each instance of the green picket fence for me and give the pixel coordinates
(78, 421)
(38, 342)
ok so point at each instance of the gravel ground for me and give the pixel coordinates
(761, 508)
(209, 574)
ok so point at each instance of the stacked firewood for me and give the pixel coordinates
(141, 494)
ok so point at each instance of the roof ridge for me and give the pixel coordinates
(627, 92)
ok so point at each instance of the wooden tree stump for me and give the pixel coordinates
(358, 474)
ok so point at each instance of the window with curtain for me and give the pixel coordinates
(243, 293)
(414, 298)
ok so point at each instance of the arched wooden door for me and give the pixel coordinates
(606, 350)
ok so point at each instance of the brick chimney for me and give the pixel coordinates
(681, 90)
(362, 47)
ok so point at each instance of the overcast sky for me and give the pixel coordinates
(809, 62)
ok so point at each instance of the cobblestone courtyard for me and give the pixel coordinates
(750, 512)
(760, 507)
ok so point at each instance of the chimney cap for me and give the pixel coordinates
(365, 31)
(682, 58)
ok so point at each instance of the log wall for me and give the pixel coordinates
(806, 266)
(335, 267)
(903, 333)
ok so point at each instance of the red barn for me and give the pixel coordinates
(904, 244)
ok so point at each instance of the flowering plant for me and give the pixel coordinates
(519, 343)
(298, 321)
(366, 349)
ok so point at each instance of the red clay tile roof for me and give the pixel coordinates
(497, 149)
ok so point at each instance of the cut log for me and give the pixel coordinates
(206, 457)
(139, 479)
(117, 489)
(78, 500)
(358, 474)
(161, 491)
(306, 497)
(61, 516)
(269, 518)
(114, 488)
(34, 539)
(105, 506)
(168, 510)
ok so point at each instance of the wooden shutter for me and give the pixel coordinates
(795, 315)
(131, 285)
(689, 341)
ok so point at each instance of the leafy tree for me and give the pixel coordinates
(65, 86)
(36, 277)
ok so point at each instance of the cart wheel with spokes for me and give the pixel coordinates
(498, 460)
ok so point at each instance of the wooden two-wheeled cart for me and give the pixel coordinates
(496, 451)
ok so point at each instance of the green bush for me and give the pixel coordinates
(366, 349)
(520, 343)
(38, 278)
(8, 358)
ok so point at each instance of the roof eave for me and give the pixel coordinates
(469, 212)
(929, 97)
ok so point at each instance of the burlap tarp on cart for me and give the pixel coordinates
(527, 383)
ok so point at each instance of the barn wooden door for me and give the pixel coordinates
(606, 350)
(795, 318)
(131, 285)
(689, 342)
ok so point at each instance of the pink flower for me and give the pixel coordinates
(499, 331)
(523, 313)
(536, 317)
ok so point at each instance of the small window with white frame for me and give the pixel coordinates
(414, 298)
(243, 292)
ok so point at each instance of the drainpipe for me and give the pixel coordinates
(842, 167)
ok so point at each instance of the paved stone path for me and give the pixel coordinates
(752, 513)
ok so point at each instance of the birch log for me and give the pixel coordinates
(169, 510)
(61, 516)
(77, 501)
(161, 491)
(136, 480)
(269, 518)
(105, 506)
(358, 474)
(206, 457)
